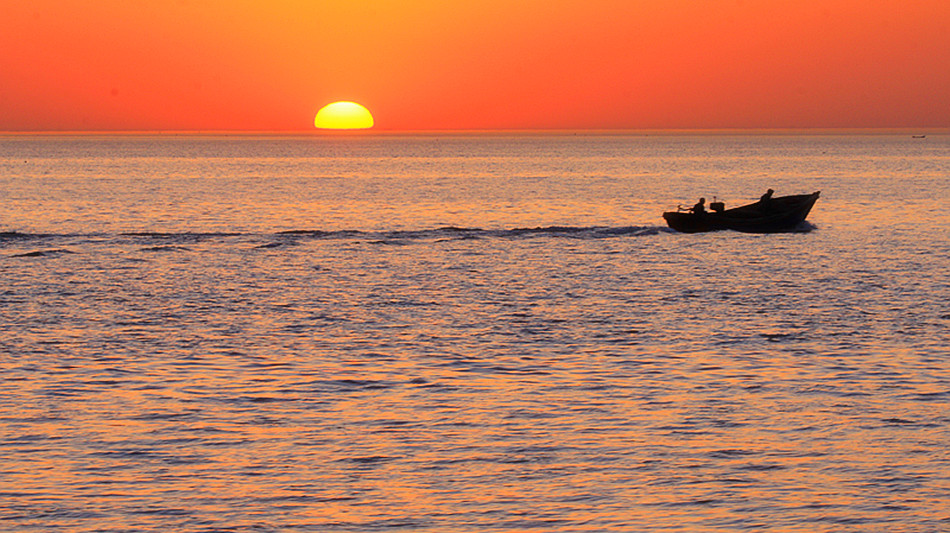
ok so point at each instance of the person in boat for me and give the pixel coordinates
(765, 201)
(700, 207)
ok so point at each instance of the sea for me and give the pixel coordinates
(468, 332)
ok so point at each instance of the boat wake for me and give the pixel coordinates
(455, 233)
(179, 241)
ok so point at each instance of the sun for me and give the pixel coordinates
(343, 116)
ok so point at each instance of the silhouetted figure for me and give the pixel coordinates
(765, 201)
(700, 207)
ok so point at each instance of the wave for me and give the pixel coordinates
(44, 253)
(16, 236)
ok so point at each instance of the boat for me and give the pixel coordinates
(775, 215)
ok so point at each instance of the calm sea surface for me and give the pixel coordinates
(471, 333)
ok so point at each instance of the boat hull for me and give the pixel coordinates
(779, 215)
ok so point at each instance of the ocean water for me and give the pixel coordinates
(462, 333)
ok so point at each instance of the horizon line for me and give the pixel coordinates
(538, 131)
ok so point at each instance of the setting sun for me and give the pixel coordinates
(343, 116)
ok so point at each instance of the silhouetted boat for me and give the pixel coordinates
(780, 214)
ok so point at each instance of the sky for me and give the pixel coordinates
(270, 65)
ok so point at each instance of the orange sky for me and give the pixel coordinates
(474, 64)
